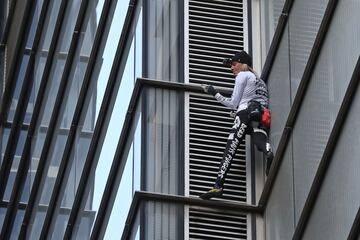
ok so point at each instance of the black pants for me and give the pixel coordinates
(242, 126)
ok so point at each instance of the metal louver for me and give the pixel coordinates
(208, 132)
(215, 226)
(216, 31)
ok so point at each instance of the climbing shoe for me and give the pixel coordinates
(214, 192)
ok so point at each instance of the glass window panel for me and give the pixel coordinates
(51, 21)
(163, 143)
(48, 183)
(39, 69)
(270, 14)
(157, 220)
(100, 77)
(15, 165)
(162, 41)
(2, 215)
(55, 78)
(323, 98)
(17, 225)
(304, 23)
(122, 203)
(281, 200)
(339, 197)
(41, 56)
(279, 90)
(67, 32)
(34, 23)
(4, 139)
(18, 86)
(114, 131)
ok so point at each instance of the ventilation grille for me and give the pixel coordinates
(215, 32)
(216, 226)
(209, 127)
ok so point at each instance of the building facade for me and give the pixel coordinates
(105, 132)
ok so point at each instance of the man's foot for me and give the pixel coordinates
(269, 159)
(215, 192)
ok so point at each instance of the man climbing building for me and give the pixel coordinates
(250, 100)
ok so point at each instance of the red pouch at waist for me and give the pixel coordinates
(266, 118)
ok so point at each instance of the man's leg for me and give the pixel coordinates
(237, 134)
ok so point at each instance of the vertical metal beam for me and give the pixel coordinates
(26, 154)
(325, 161)
(295, 108)
(5, 34)
(22, 104)
(354, 233)
(55, 119)
(102, 121)
(83, 102)
(14, 65)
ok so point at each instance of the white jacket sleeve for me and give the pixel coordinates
(234, 100)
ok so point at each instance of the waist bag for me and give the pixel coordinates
(259, 113)
(266, 118)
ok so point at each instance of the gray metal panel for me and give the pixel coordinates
(279, 213)
(304, 23)
(279, 90)
(323, 98)
(339, 198)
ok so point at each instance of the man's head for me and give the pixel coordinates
(238, 61)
